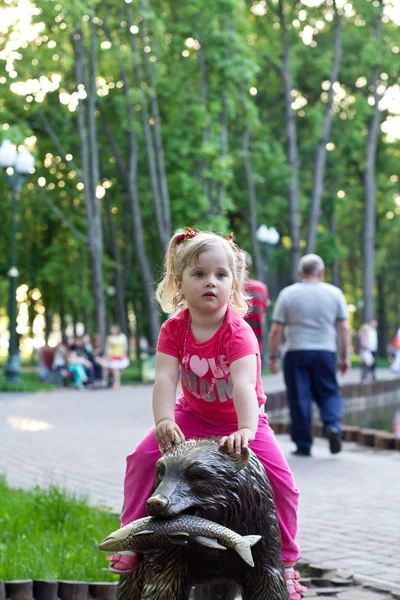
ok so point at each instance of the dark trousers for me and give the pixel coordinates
(374, 365)
(311, 375)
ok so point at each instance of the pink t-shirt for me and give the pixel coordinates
(237, 340)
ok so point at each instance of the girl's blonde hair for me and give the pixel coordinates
(183, 250)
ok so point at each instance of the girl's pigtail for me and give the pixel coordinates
(239, 300)
(167, 289)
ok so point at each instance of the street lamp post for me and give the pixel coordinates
(17, 164)
(268, 237)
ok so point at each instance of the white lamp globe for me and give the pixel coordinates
(273, 236)
(267, 235)
(8, 154)
(262, 233)
(24, 162)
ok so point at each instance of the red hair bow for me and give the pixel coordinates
(189, 233)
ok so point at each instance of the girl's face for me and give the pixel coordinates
(207, 284)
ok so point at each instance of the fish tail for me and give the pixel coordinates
(243, 548)
(252, 539)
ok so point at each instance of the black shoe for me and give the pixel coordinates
(300, 452)
(335, 441)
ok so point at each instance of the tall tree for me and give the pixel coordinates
(320, 155)
(370, 176)
(291, 139)
(86, 72)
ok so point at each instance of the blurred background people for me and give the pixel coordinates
(66, 357)
(395, 366)
(256, 317)
(366, 358)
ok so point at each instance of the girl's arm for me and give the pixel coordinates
(164, 399)
(244, 374)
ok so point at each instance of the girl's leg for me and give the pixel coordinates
(105, 375)
(139, 478)
(138, 487)
(117, 378)
(283, 485)
(79, 374)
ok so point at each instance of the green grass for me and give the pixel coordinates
(381, 363)
(47, 534)
(30, 382)
(131, 374)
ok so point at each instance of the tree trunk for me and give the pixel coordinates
(98, 275)
(129, 178)
(382, 316)
(207, 187)
(320, 158)
(48, 324)
(335, 265)
(86, 120)
(370, 187)
(259, 268)
(224, 149)
(118, 272)
(336, 280)
(159, 149)
(163, 230)
(292, 152)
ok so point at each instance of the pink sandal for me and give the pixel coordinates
(295, 589)
(123, 563)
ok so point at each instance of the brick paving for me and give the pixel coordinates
(349, 514)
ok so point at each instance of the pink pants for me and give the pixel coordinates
(140, 473)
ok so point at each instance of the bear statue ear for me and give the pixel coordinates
(177, 440)
(239, 460)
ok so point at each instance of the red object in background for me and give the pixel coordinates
(259, 306)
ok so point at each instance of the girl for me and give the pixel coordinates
(218, 356)
(116, 354)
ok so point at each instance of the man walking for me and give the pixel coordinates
(315, 315)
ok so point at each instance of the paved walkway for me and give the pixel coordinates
(349, 514)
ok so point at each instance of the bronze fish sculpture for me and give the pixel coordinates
(150, 533)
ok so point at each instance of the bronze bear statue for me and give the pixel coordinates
(197, 477)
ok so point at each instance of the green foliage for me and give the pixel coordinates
(216, 69)
(49, 534)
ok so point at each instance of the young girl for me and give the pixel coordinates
(217, 354)
(116, 353)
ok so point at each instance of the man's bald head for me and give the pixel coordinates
(311, 266)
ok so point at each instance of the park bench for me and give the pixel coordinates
(61, 376)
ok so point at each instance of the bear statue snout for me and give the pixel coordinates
(156, 505)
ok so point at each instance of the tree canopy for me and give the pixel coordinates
(148, 115)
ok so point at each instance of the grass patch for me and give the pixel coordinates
(29, 382)
(48, 534)
(132, 374)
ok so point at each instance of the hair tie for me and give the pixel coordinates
(229, 239)
(183, 237)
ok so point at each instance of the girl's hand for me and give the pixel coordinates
(165, 433)
(238, 440)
